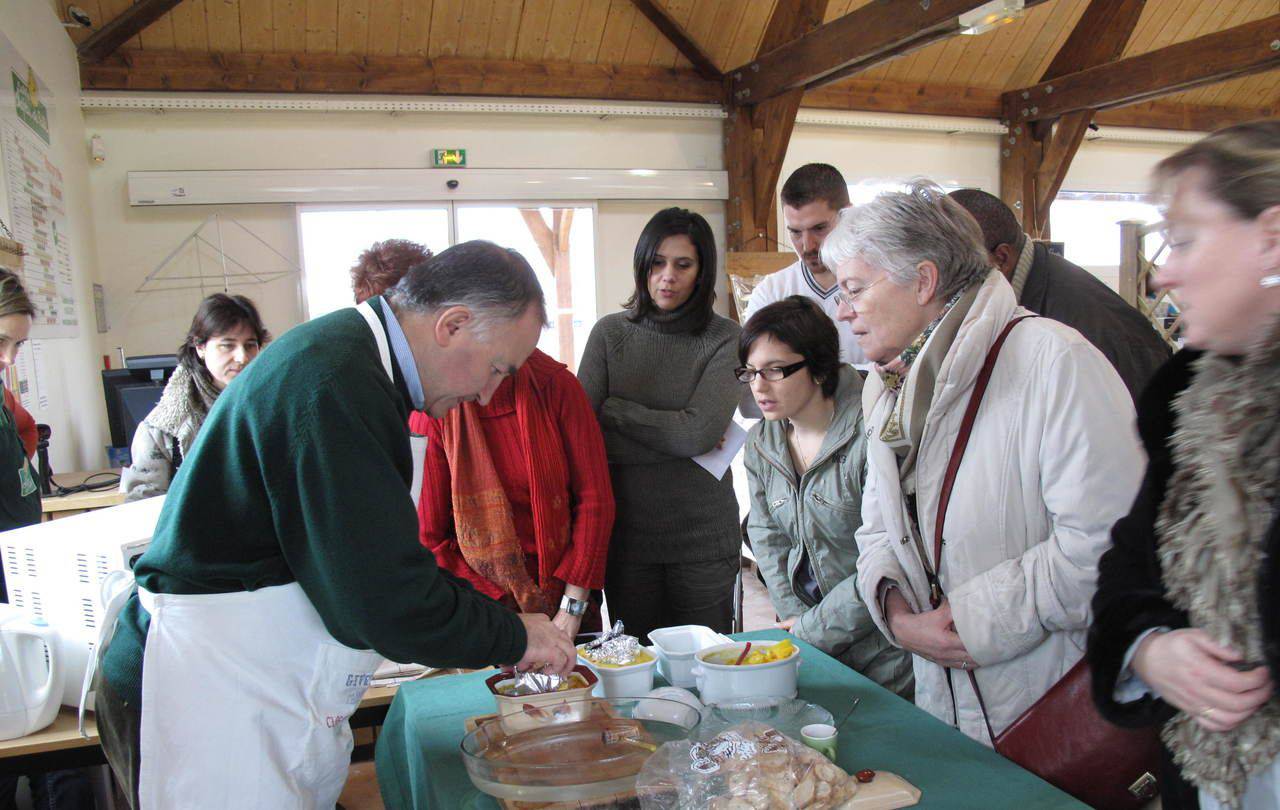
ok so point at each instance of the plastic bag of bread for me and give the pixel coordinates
(749, 766)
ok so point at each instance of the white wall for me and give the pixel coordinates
(76, 412)
(134, 240)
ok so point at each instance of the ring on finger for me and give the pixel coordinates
(1205, 713)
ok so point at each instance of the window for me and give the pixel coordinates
(333, 239)
(558, 242)
(1088, 224)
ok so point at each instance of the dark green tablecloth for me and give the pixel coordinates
(420, 765)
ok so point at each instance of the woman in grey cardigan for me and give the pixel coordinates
(805, 463)
(660, 376)
(225, 334)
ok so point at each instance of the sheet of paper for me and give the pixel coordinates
(718, 460)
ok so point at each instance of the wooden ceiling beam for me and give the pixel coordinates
(1032, 176)
(344, 73)
(1100, 36)
(756, 138)
(917, 98)
(675, 33)
(104, 42)
(861, 39)
(1250, 48)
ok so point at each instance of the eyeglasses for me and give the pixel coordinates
(748, 375)
(844, 298)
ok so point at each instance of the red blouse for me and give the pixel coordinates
(591, 495)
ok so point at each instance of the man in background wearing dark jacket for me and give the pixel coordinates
(1049, 285)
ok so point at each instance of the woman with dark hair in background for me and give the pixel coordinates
(660, 377)
(805, 463)
(1186, 631)
(226, 333)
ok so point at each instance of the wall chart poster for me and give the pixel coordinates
(36, 211)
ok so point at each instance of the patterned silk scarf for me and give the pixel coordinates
(482, 513)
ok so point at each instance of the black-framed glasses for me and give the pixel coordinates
(748, 375)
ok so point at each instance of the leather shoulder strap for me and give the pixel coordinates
(962, 439)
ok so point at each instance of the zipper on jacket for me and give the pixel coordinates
(794, 481)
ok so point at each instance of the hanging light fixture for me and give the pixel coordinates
(990, 15)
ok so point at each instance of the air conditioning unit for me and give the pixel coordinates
(54, 571)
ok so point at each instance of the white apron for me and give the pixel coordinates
(246, 696)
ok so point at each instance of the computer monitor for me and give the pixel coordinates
(132, 392)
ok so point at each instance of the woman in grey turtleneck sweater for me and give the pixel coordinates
(660, 376)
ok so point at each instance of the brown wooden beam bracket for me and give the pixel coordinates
(1037, 155)
(675, 33)
(123, 28)
(1239, 51)
(756, 138)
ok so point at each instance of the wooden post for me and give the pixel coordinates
(1130, 260)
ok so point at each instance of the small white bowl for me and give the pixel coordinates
(631, 680)
(663, 708)
(718, 683)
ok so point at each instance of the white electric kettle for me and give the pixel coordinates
(30, 675)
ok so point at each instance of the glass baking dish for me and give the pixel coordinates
(578, 749)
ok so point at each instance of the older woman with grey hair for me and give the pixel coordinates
(1052, 461)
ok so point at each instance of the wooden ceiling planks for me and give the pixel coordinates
(701, 28)
(411, 33)
(751, 28)
(353, 26)
(384, 27)
(1222, 94)
(288, 24)
(257, 34)
(617, 30)
(321, 27)
(641, 42)
(474, 28)
(446, 27)
(587, 35)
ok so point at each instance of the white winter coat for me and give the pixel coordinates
(1052, 462)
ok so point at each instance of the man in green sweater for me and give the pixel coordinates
(286, 561)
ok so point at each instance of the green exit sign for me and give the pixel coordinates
(441, 158)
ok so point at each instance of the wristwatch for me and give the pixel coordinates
(574, 607)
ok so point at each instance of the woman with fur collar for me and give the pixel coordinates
(226, 333)
(1187, 621)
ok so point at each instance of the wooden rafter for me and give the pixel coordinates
(1036, 157)
(756, 138)
(123, 28)
(856, 41)
(341, 73)
(1239, 51)
(674, 31)
(919, 98)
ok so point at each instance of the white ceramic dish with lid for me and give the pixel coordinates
(718, 683)
(676, 647)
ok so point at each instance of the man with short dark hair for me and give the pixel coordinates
(1049, 285)
(811, 201)
(286, 561)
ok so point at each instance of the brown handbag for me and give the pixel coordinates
(1061, 738)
